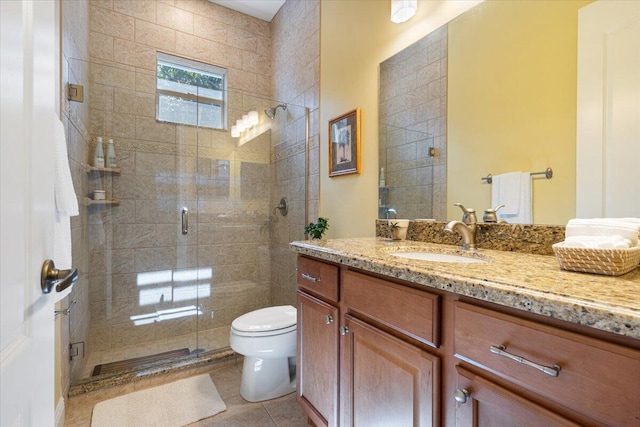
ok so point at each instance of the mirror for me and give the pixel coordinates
(494, 90)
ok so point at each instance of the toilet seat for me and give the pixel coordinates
(266, 322)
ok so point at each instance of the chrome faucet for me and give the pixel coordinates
(391, 211)
(466, 228)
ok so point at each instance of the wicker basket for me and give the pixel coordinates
(611, 262)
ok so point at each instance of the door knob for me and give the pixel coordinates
(51, 277)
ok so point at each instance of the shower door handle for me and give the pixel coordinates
(185, 221)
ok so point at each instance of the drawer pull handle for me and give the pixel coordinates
(344, 330)
(461, 395)
(552, 371)
(310, 277)
(328, 319)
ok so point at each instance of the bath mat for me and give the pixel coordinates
(175, 404)
(130, 364)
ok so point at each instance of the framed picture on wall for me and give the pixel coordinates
(344, 144)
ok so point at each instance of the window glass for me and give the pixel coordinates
(190, 92)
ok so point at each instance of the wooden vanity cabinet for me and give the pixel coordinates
(383, 379)
(386, 381)
(318, 320)
(483, 403)
(317, 360)
(595, 381)
(386, 378)
(386, 352)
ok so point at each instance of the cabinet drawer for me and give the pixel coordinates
(596, 379)
(410, 311)
(318, 278)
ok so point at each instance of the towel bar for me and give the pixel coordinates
(548, 173)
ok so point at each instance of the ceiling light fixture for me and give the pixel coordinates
(403, 10)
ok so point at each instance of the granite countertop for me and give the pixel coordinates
(527, 282)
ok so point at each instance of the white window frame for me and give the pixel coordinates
(198, 67)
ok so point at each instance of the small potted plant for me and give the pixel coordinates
(394, 228)
(316, 230)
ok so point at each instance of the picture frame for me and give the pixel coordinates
(344, 144)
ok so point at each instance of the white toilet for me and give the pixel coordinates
(267, 340)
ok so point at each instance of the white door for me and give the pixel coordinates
(27, 89)
(608, 134)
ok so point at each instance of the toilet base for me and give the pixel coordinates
(264, 379)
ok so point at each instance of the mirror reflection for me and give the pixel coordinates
(495, 92)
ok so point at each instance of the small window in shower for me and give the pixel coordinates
(190, 92)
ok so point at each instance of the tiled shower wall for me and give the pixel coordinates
(296, 67)
(413, 102)
(140, 263)
(109, 47)
(75, 53)
(409, 170)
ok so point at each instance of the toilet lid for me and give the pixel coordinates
(266, 319)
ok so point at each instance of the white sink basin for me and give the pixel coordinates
(437, 257)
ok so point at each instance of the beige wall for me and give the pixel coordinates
(356, 36)
(512, 102)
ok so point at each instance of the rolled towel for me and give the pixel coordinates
(627, 228)
(599, 242)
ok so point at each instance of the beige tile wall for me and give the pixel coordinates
(296, 67)
(75, 69)
(141, 264)
(413, 103)
(110, 47)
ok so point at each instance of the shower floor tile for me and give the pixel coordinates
(210, 339)
(280, 412)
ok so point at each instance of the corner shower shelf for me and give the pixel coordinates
(91, 202)
(89, 168)
(109, 202)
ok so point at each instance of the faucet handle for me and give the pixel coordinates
(468, 216)
(490, 214)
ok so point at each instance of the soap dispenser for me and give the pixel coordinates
(98, 155)
(111, 154)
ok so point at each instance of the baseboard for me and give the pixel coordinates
(60, 413)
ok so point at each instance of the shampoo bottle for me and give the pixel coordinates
(98, 156)
(111, 154)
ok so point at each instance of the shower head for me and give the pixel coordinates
(271, 112)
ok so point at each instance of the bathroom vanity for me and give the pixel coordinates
(510, 340)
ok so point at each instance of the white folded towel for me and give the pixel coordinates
(513, 190)
(600, 242)
(65, 197)
(626, 228)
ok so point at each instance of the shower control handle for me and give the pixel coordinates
(185, 221)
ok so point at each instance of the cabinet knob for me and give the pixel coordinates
(461, 395)
(344, 330)
(328, 319)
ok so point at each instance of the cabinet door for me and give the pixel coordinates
(482, 403)
(387, 381)
(317, 362)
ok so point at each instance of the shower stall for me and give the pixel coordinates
(188, 237)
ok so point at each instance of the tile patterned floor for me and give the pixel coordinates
(281, 412)
(209, 340)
